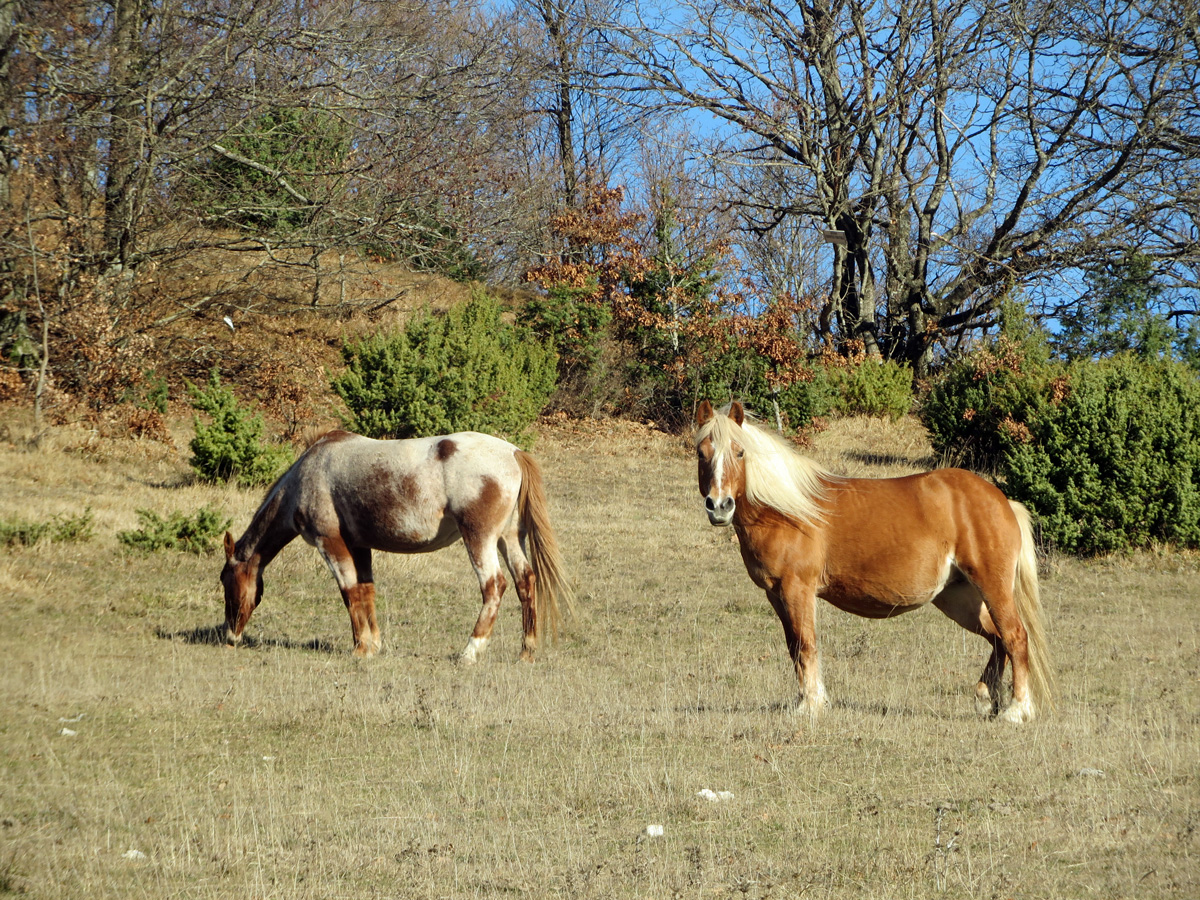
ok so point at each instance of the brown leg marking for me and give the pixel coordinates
(526, 591)
(360, 601)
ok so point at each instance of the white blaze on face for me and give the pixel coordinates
(718, 476)
(719, 502)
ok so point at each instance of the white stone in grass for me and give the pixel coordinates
(133, 854)
(67, 732)
(714, 796)
(654, 831)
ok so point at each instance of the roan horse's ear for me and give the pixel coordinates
(737, 413)
(229, 546)
(704, 413)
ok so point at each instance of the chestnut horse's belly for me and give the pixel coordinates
(877, 601)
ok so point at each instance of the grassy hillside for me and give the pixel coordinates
(142, 758)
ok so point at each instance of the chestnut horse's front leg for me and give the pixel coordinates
(795, 602)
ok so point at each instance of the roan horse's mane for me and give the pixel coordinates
(777, 476)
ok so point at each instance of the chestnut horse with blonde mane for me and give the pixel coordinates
(348, 495)
(878, 547)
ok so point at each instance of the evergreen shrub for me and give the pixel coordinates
(1105, 453)
(873, 387)
(230, 447)
(59, 529)
(467, 370)
(1113, 462)
(197, 533)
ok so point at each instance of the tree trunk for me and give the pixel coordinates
(124, 155)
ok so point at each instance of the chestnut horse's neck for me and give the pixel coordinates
(272, 528)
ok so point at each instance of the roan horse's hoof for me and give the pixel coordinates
(473, 651)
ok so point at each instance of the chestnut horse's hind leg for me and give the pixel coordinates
(985, 606)
(961, 601)
(351, 569)
(988, 692)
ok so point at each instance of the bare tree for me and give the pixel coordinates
(954, 150)
(384, 127)
(594, 134)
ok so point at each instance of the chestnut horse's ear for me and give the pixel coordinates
(704, 413)
(737, 413)
(229, 546)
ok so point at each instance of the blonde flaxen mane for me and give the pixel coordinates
(776, 475)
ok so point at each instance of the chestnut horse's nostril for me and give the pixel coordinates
(724, 505)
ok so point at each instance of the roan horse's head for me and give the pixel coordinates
(243, 589)
(719, 461)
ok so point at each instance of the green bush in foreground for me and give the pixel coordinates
(466, 370)
(192, 534)
(59, 529)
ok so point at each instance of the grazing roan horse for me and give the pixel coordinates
(348, 495)
(877, 547)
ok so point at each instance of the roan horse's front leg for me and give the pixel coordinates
(352, 571)
(795, 603)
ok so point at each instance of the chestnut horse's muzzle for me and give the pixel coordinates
(720, 512)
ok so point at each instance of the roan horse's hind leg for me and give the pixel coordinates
(492, 584)
(351, 569)
(526, 584)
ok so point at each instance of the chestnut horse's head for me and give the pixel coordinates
(720, 463)
(243, 589)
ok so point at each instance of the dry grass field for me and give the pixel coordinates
(141, 758)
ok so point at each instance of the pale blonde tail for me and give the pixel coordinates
(1028, 598)
(542, 547)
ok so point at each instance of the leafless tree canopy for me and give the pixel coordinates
(956, 151)
(961, 149)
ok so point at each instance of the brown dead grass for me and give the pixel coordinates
(289, 769)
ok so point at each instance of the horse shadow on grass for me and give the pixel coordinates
(214, 636)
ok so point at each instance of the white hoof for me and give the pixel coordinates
(983, 701)
(1018, 713)
(812, 703)
(473, 651)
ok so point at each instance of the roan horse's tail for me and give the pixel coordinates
(542, 547)
(1029, 608)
